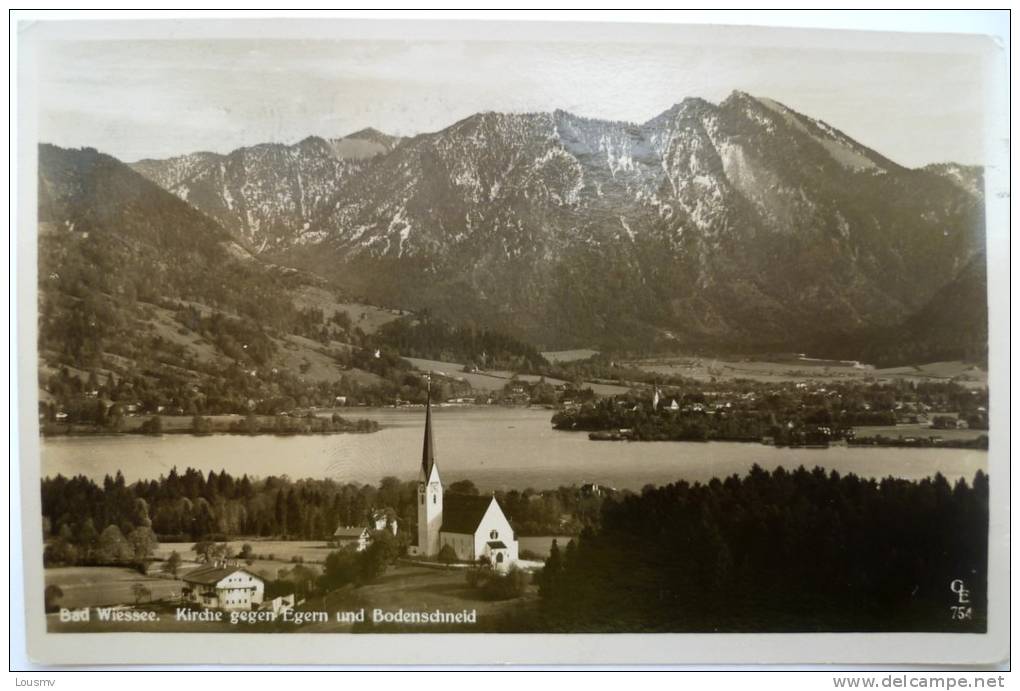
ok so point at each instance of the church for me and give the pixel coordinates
(473, 526)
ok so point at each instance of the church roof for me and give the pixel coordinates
(462, 513)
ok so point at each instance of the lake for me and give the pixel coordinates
(496, 448)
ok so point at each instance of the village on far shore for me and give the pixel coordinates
(426, 544)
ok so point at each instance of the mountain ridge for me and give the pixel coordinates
(739, 222)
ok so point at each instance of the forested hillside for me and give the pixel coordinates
(147, 305)
(779, 551)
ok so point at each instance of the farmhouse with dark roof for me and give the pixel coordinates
(474, 527)
(224, 587)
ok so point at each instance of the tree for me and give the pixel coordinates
(447, 555)
(115, 417)
(87, 538)
(113, 547)
(172, 564)
(553, 567)
(293, 513)
(341, 568)
(51, 596)
(463, 487)
(389, 491)
(203, 549)
(143, 542)
(140, 592)
(506, 587)
(203, 519)
(372, 562)
(60, 552)
(302, 579)
(141, 517)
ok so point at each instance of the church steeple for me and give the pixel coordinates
(428, 445)
(430, 489)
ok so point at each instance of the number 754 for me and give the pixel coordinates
(960, 612)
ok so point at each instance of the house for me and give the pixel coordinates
(224, 587)
(591, 489)
(352, 536)
(280, 604)
(474, 527)
(383, 520)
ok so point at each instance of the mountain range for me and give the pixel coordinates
(737, 225)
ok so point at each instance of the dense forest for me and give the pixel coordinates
(779, 551)
(181, 507)
(783, 551)
(426, 336)
(146, 302)
(952, 326)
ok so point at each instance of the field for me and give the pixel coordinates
(600, 389)
(282, 551)
(784, 369)
(313, 360)
(367, 317)
(91, 586)
(107, 585)
(494, 380)
(543, 543)
(918, 430)
(961, 372)
(98, 586)
(555, 356)
(413, 588)
(481, 382)
(164, 325)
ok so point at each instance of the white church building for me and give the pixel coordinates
(474, 526)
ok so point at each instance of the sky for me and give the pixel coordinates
(139, 99)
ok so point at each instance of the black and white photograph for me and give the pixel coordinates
(380, 327)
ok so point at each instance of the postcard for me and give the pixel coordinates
(377, 341)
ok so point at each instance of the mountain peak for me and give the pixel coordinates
(373, 135)
(504, 218)
(690, 105)
(363, 144)
(364, 133)
(312, 140)
(737, 95)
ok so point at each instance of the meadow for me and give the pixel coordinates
(782, 369)
(93, 586)
(407, 587)
(280, 552)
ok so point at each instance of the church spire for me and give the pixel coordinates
(428, 446)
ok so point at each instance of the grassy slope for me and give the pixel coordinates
(408, 587)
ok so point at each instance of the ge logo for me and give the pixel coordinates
(960, 588)
(962, 611)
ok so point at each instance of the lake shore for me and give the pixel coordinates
(205, 426)
(497, 448)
